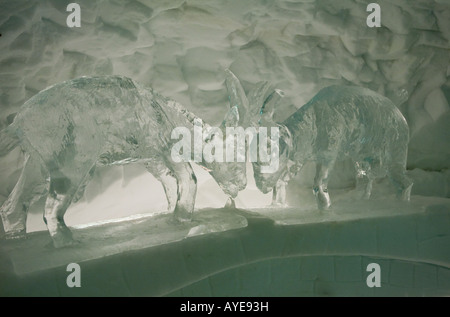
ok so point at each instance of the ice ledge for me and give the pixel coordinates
(105, 238)
(421, 237)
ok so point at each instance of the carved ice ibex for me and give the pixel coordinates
(71, 127)
(338, 122)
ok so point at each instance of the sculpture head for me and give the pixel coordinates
(226, 160)
(216, 149)
(266, 181)
(257, 113)
(228, 169)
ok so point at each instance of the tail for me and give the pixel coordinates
(8, 140)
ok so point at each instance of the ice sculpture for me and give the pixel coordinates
(71, 127)
(338, 122)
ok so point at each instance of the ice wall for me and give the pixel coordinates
(182, 47)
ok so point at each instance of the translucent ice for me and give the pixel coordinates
(71, 127)
(339, 122)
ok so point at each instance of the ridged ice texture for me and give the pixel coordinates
(88, 117)
(72, 127)
(342, 122)
(353, 121)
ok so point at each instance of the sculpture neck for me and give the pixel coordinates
(303, 138)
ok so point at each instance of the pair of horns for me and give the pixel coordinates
(254, 107)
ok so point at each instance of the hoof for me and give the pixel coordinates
(182, 215)
(323, 201)
(15, 235)
(230, 203)
(325, 207)
(66, 242)
(405, 194)
(63, 238)
(175, 221)
(278, 205)
(365, 196)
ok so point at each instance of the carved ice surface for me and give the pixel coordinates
(71, 127)
(339, 122)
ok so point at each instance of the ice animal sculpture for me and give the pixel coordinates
(338, 122)
(71, 127)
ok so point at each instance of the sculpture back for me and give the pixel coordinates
(71, 127)
(340, 122)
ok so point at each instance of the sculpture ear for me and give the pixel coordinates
(231, 118)
(267, 110)
(236, 95)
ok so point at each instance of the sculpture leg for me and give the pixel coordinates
(368, 190)
(279, 191)
(167, 179)
(397, 175)
(55, 208)
(61, 192)
(320, 185)
(186, 191)
(274, 196)
(29, 188)
(364, 179)
(230, 203)
(279, 194)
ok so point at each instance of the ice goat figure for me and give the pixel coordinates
(71, 127)
(338, 122)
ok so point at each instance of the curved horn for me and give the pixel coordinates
(236, 94)
(269, 105)
(256, 100)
